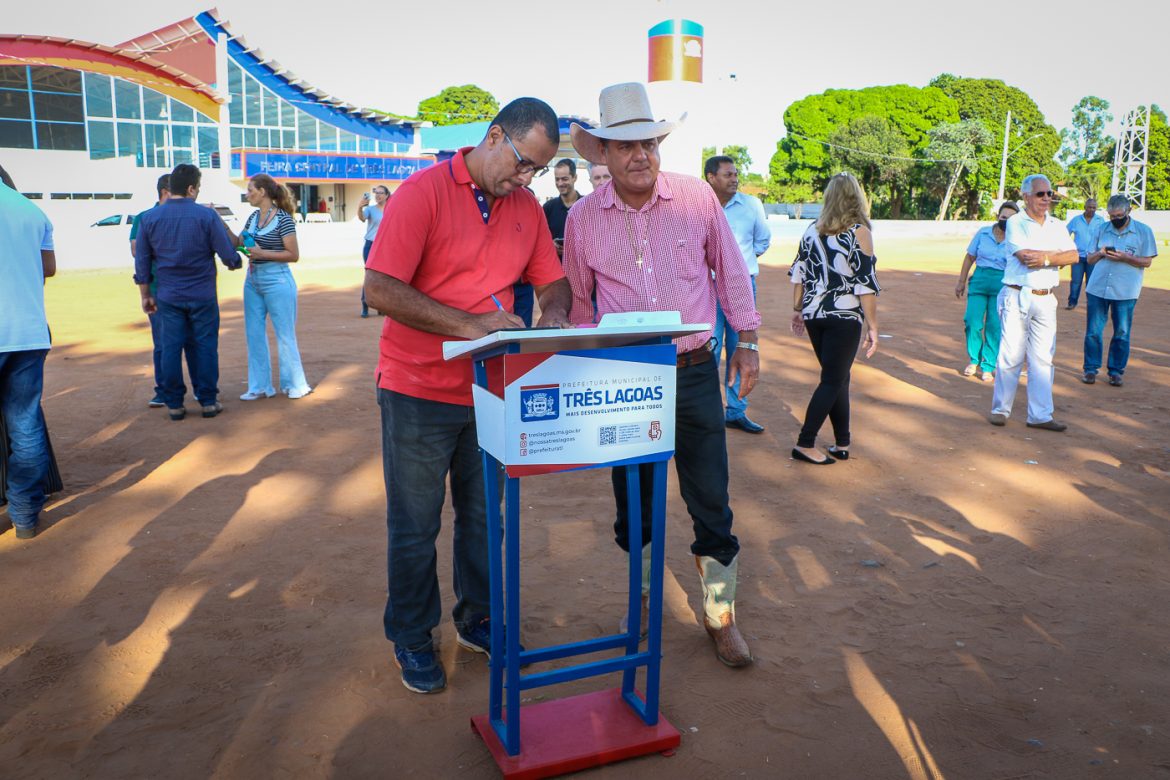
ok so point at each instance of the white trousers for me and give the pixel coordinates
(1028, 329)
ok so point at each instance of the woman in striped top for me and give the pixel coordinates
(270, 241)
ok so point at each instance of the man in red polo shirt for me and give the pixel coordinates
(456, 237)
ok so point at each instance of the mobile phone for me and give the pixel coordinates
(1109, 249)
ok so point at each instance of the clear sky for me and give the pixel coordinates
(390, 55)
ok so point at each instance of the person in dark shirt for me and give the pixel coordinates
(556, 210)
(176, 246)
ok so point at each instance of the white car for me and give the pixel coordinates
(229, 217)
(114, 220)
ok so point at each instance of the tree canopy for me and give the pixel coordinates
(459, 106)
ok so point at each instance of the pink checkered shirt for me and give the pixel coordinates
(684, 235)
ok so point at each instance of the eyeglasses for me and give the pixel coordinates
(523, 166)
(1043, 194)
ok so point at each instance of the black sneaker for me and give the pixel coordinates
(26, 532)
(478, 638)
(211, 410)
(156, 402)
(421, 670)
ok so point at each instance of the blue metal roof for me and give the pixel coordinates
(399, 132)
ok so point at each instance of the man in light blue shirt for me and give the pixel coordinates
(26, 260)
(1122, 251)
(1083, 228)
(748, 222)
(1037, 245)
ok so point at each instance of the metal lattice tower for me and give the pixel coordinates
(1129, 163)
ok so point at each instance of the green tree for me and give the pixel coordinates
(1032, 142)
(739, 153)
(708, 153)
(1089, 179)
(1086, 139)
(803, 156)
(459, 106)
(958, 143)
(1158, 162)
(873, 150)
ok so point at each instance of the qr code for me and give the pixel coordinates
(607, 434)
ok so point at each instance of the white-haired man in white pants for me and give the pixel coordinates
(1038, 244)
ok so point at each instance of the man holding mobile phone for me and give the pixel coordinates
(1124, 249)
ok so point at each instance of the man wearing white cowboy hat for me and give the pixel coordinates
(649, 241)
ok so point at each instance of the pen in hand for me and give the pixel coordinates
(496, 301)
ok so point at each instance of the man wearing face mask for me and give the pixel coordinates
(1123, 249)
(649, 241)
(1083, 228)
(457, 236)
(1037, 245)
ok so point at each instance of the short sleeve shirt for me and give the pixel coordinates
(373, 216)
(1023, 232)
(1115, 280)
(437, 241)
(24, 232)
(988, 252)
(271, 235)
(1084, 232)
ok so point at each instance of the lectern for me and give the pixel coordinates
(551, 400)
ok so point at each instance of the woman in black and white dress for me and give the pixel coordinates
(835, 299)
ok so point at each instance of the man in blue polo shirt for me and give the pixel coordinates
(26, 260)
(1083, 229)
(749, 223)
(179, 240)
(1123, 249)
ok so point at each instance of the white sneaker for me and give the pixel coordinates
(250, 396)
(294, 394)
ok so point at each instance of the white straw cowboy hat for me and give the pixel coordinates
(625, 116)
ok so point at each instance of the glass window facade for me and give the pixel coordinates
(64, 109)
(262, 120)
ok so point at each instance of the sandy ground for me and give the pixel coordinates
(955, 601)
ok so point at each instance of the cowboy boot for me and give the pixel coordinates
(719, 609)
(644, 623)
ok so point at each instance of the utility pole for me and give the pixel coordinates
(1007, 126)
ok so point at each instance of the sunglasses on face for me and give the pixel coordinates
(1043, 194)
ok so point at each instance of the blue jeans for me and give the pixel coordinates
(700, 457)
(524, 298)
(726, 337)
(156, 338)
(271, 291)
(422, 442)
(196, 322)
(22, 376)
(1081, 271)
(1122, 314)
(365, 257)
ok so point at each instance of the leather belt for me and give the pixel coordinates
(697, 356)
(1048, 291)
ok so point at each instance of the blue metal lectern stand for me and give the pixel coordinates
(578, 732)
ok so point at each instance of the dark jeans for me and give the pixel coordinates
(835, 343)
(700, 456)
(197, 323)
(365, 257)
(1096, 311)
(525, 298)
(22, 377)
(1081, 271)
(422, 442)
(188, 350)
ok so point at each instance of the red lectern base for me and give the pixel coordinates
(568, 735)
